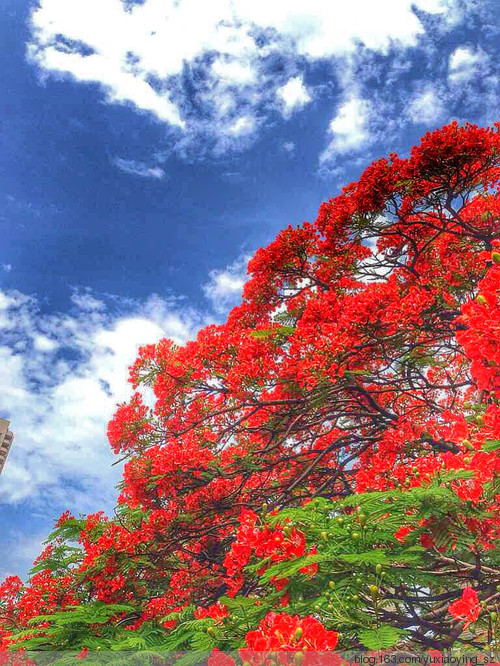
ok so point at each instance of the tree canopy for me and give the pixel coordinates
(321, 471)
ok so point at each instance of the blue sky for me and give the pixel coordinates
(147, 149)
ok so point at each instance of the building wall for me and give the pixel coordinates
(6, 439)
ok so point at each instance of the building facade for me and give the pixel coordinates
(6, 439)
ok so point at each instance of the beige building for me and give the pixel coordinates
(6, 439)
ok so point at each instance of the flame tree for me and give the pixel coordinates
(321, 470)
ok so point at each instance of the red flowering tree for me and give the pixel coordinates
(321, 471)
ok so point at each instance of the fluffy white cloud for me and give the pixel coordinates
(138, 51)
(349, 128)
(425, 106)
(140, 169)
(465, 63)
(225, 286)
(62, 375)
(293, 95)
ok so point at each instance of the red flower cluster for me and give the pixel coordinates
(364, 356)
(280, 632)
(467, 608)
(274, 545)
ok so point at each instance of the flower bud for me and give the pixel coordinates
(495, 257)
(355, 536)
(324, 536)
(331, 585)
(378, 568)
(494, 616)
(299, 656)
(481, 300)
(299, 633)
(340, 521)
(374, 591)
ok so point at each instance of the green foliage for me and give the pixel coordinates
(381, 638)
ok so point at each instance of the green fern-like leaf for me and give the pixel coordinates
(382, 638)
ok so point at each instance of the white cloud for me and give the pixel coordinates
(349, 128)
(62, 375)
(465, 63)
(139, 53)
(7, 267)
(242, 126)
(85, 301)
(425, 106)
(225, 286)
(293, 95)
(140, 169)
(289, 147)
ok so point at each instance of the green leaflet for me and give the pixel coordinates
(491, 445)
(370, 557)
(381, 638)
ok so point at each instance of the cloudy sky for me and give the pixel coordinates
(148, 148)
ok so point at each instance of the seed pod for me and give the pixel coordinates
(299, 656)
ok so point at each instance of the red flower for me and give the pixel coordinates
(467, 608)
(288, 633)
(402, 533)
(218, 658)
